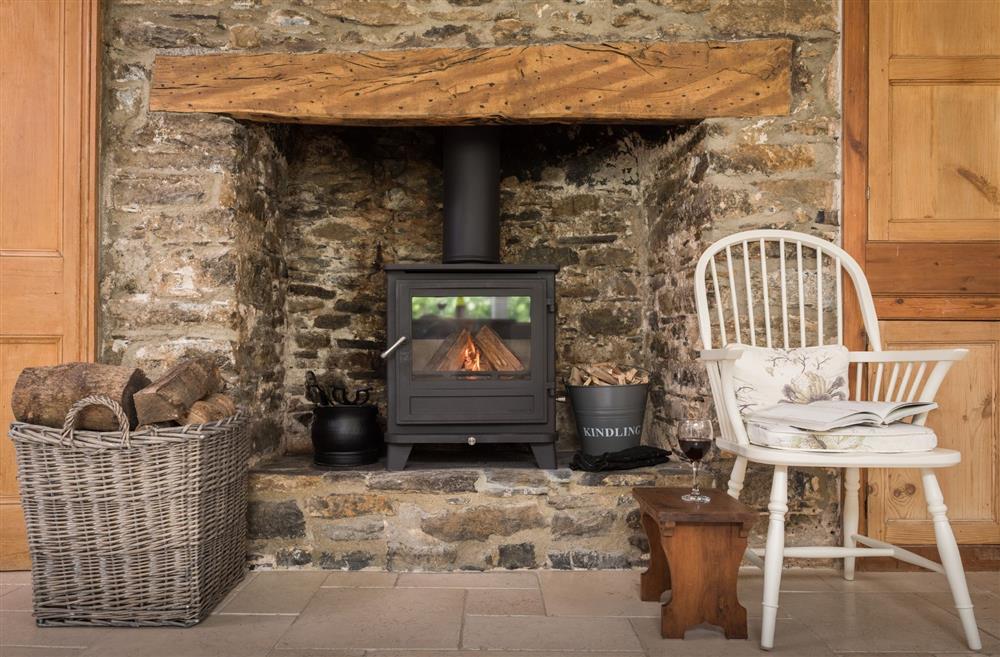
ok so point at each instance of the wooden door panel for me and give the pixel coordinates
(934, 133)
(944, 28)
(48, 128)
(32, 96)
(967, 421)
(932, 269)
(16, 353)
(922, 215)
(945, 162)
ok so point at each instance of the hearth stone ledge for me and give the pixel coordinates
(448, 515)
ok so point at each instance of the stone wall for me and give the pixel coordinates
(262, 246)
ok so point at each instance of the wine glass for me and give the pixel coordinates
(695, 440)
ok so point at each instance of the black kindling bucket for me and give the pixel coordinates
(609, 418)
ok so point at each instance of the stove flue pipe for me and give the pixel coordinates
(471, 194)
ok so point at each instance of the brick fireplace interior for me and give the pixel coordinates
(265, 245)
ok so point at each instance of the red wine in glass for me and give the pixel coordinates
(694, 437)
(696, 449)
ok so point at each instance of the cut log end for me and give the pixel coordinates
(606, 374)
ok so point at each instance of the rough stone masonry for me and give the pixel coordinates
(263, 245)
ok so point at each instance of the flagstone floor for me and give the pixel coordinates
(522, 614)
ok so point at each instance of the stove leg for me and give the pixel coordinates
(396, 456)
(545, 455)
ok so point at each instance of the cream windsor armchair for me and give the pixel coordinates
(773, 301)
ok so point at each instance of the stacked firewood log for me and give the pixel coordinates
(188, 393)
(606, 374)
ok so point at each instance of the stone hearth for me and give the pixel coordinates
(448, 512)
(442, 513)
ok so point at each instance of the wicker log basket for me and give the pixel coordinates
(134, 529)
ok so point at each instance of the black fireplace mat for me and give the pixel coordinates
(627, 459)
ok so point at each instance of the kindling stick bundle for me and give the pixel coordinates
(606, 374)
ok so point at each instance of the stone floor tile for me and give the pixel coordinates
(499, 580)
(987, 608)
(890, 582)
(504, 602)
(16, 598)
(351, 618)
(879, 622)
(989, 582)
(19, 629)
(242, 584)
(275, 593)
(549, 633)
(15, 577)
(791, 638)
(594, 593)
(217, 636)
(360, 579)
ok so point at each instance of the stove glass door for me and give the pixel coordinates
(475, 350)
(471, 337)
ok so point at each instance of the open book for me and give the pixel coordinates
(828, 415)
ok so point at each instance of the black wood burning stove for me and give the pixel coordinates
(472, 355)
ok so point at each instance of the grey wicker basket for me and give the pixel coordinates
(133, 529)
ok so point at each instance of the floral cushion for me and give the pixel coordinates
(892, 439)
(764, 377)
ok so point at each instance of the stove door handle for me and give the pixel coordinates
(394, 347)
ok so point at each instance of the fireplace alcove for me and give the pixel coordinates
(616, 207)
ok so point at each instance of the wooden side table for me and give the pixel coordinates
(695, 552)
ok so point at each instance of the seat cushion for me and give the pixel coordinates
(896, 438)
(764, 376)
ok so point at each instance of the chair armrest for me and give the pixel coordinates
(905, 375)
(718, 355)
(720, 363)
(909, 356)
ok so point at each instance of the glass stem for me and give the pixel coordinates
(695, 490)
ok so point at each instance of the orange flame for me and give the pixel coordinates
(472, 358)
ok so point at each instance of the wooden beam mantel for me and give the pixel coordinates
(555, 83)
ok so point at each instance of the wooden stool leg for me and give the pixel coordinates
(706, 559)
(656, 579)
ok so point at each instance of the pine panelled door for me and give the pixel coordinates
(48, 101)
(922, 214)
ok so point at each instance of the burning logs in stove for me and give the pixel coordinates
(484, 352)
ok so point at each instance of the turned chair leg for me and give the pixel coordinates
(951, 558)
(774, 554)
(849, 524)
(736, 477)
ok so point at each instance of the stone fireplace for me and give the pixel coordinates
(266, 245)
